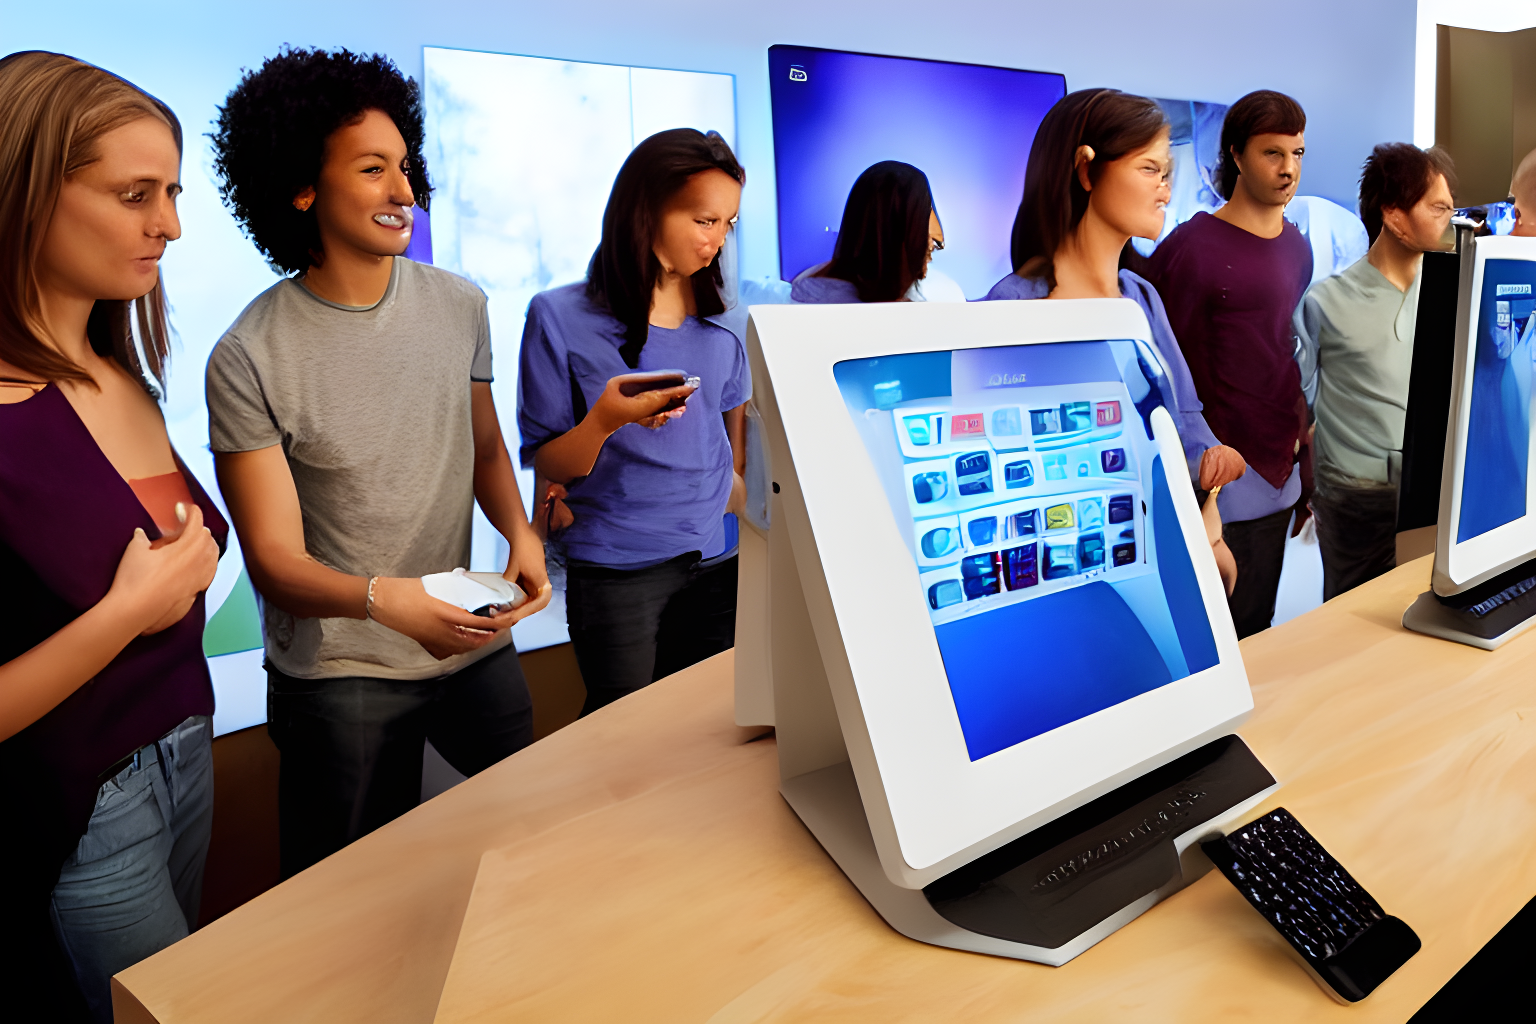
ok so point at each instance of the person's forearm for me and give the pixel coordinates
(501, 500)
(572, 454)
(305, 588)
(39, 680)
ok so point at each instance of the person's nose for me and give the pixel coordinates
(165, 222)
(400, 192)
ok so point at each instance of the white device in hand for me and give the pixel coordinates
(480, 593)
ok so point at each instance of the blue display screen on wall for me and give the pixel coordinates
(968, 126)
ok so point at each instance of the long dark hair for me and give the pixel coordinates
(1263, 112)
(1114, 124)
(622, 274)
(882, 244)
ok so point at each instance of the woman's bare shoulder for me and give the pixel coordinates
(17, 385)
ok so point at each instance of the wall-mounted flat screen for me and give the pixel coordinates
(523, 152)
(968, 127)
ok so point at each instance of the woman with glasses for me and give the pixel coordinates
(634, 484)
(1098, 177)
(887, 239)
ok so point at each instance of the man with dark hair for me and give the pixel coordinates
(1230, 282)
(1356, 333)
(352, 425)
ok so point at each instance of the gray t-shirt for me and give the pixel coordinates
(1357, 329)
(372, 408)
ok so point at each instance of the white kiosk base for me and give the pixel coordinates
(828, 802)
(1486, 616)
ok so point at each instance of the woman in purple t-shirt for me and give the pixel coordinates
(104, 693)
(1098, 177)
(887, 238)
(634, 496)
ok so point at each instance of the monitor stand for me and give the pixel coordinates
(1054, 892)
(1046, 896)
(1488, 615)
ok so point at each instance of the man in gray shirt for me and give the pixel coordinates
(353, 430)
(1356, 332)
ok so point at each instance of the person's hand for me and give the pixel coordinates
(403, 605)
(738, 502)
(1303, 514)
(525, 567)
(552, 514)
(157, 582)
(614, 409)
(1220, 466)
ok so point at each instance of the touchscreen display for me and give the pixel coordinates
(1040, 526)
(1496, 468)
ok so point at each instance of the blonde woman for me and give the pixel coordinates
(106, 545)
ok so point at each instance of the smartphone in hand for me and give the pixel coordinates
(632, 384)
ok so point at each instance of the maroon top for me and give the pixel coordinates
(66, 515)
(1230, 295)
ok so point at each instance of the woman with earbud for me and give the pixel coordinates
(1098, 177)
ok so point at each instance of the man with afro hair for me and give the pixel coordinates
(352, 425)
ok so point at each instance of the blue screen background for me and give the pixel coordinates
(1493, 481)
(1017, 670)
(967, 126)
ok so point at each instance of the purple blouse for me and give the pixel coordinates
(66, 516)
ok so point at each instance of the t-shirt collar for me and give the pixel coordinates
(389, 291)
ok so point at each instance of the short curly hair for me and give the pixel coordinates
(270, 140)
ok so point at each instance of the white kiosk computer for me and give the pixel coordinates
(1003, 673)
(1483, 589)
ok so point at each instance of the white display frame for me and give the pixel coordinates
(1461, 566)
(930, 808)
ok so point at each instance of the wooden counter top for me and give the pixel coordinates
(640, 866)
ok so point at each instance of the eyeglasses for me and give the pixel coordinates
(935, 245)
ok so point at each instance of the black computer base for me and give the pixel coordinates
(1488, 615)
(1054, 892)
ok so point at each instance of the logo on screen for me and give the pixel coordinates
(797, 73)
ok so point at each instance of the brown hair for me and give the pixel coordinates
(1115, 124)
(53, 110)
(1264, 112)
(882, 243)
(1397, 175)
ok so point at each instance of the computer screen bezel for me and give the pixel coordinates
(1459, 566)
(902, 730)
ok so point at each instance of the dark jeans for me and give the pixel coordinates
(631, 627)
(352, 747)
(1258, 547)
(1357, 533)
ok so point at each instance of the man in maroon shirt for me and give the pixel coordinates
(1230, 282)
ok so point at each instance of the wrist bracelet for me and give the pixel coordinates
(368, 607)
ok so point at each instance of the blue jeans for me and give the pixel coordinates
(132, 886)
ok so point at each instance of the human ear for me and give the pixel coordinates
(1081, 160)
(1393, 220)
(305, 199)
